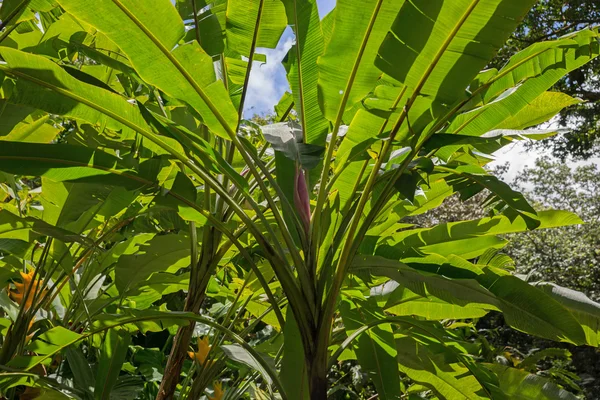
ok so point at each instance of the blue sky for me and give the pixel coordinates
(268, 81)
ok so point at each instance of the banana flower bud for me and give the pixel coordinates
(302, 198)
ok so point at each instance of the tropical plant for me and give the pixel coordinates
(130, 175)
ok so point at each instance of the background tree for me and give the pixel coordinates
(568, 255)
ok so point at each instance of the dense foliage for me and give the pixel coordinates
(157, 245)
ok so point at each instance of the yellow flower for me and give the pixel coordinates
(203, 349)
(374, 155)
(34, 286)
(28, 337)
(219, 392)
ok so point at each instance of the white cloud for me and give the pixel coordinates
(268, 81)
(520, 158)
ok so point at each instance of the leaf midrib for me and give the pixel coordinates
(299, 67)
(324, 189)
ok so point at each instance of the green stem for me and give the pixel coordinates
(196, 23)
(351, 245)
(322, 195)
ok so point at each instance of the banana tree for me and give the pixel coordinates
(130, 173)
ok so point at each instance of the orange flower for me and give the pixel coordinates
(28, 337)
(202, 353)
(34, 286)
(218, 392)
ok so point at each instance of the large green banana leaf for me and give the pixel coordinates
(252, 24)
(347, 64)
(534, 70)
(373, 350)
(302, 67)
(436, 48)
(149, 34)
